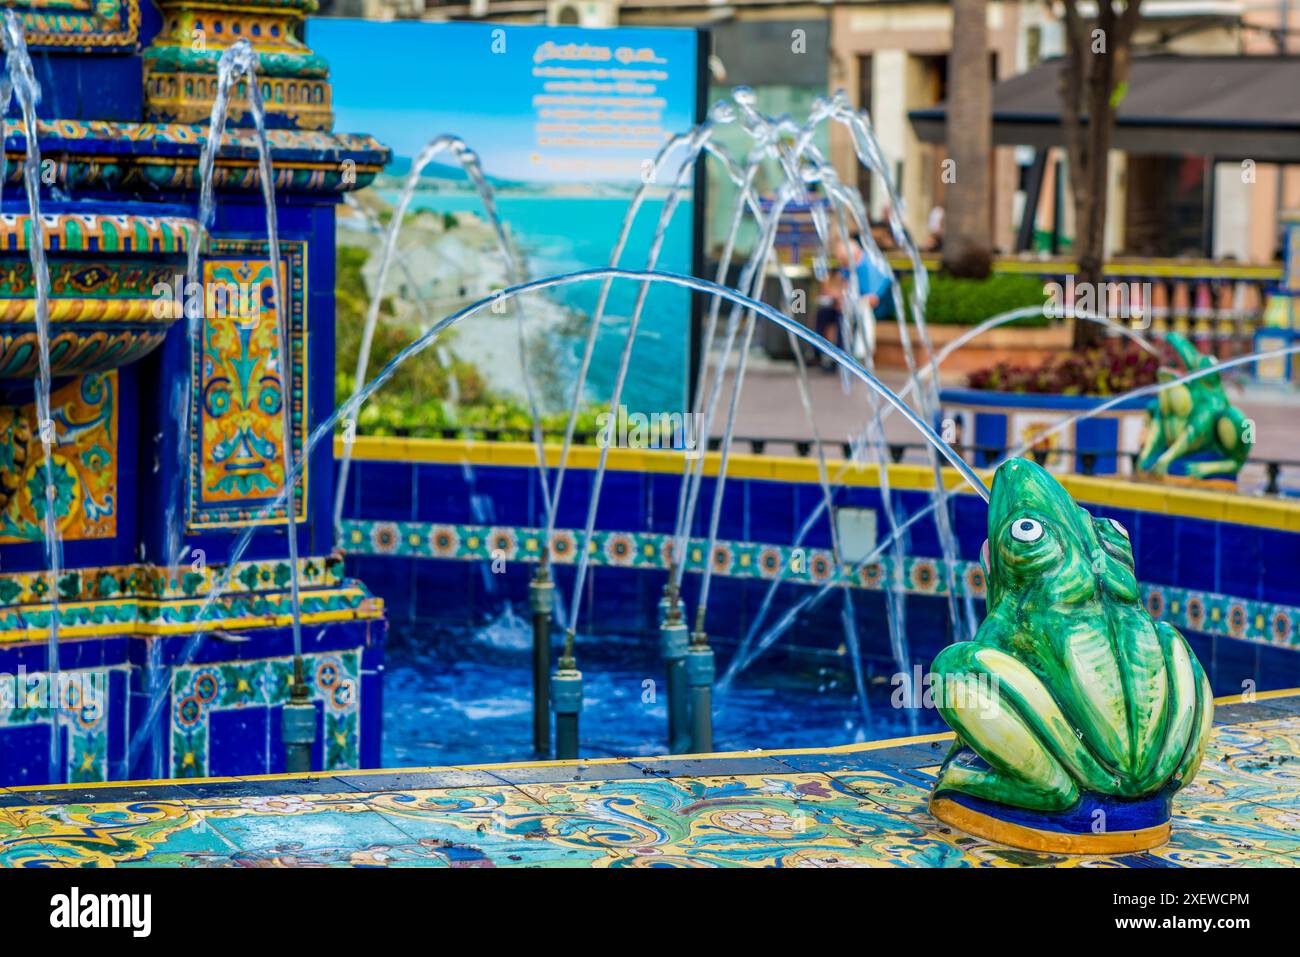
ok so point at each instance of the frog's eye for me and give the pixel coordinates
(1026, 530)
(1119, 528)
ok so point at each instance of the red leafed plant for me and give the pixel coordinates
(1116, 366)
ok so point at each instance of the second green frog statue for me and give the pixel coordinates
(1193, 432)
(1076, 715)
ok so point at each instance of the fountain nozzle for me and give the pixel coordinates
(566, 700)
(298, 724)
(673, 643)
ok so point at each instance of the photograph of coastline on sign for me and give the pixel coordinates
(564, 123)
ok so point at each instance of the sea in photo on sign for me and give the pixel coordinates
(564, 127)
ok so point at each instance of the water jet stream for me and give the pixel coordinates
(742, 659)
(21, 80)
(469, 163)
(452, 404)
(325, 429)
(693, 142)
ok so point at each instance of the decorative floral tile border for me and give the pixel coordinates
(146, 599)
(1206, 612)
(334, 679)
(191, 579)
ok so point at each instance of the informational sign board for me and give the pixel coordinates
(566, 123)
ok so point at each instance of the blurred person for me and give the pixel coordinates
(934, 226)
(875, 298)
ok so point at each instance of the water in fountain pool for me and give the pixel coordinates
(464, 697)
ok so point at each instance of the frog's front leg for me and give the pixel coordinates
(1181, 445)
(1005, 713)
(1155, 438)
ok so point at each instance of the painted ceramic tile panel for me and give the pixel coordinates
(236, 465)
(85, 422)
(83, 717)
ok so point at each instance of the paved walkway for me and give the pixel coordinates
(861, 805)
(771, 408)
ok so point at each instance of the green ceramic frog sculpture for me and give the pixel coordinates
(1192, 429)
(1069, 689)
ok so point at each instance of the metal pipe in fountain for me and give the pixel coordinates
(673, 643)
(700, 672)
(541, 598)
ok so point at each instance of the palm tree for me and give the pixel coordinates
(1093, 79)
(966, 247)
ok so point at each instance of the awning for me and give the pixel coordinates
(1229, 107)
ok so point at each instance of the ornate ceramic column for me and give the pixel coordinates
(125, 100)
(180, 66)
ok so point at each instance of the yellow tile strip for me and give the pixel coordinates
(1113, 493)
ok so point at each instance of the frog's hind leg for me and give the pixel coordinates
(986, 696)
(1188, 711)
(1232, 430)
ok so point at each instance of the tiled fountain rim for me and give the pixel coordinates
(909, 752)
(1259, 622)
(1174, 501)
(186, 139)
(143, 580)
(144, 600)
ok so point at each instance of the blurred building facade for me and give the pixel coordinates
(890, 56)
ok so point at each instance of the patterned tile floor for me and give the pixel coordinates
(863, 806)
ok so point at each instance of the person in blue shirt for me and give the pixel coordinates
(875, 294)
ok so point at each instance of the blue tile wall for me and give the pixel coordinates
(237, 742)
(1243, 561)
(1098, 433)
(1195, 554)
(1280, 578)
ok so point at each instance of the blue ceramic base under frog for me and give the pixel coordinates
(1097, 824)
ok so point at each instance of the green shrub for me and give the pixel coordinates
(968, 302)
